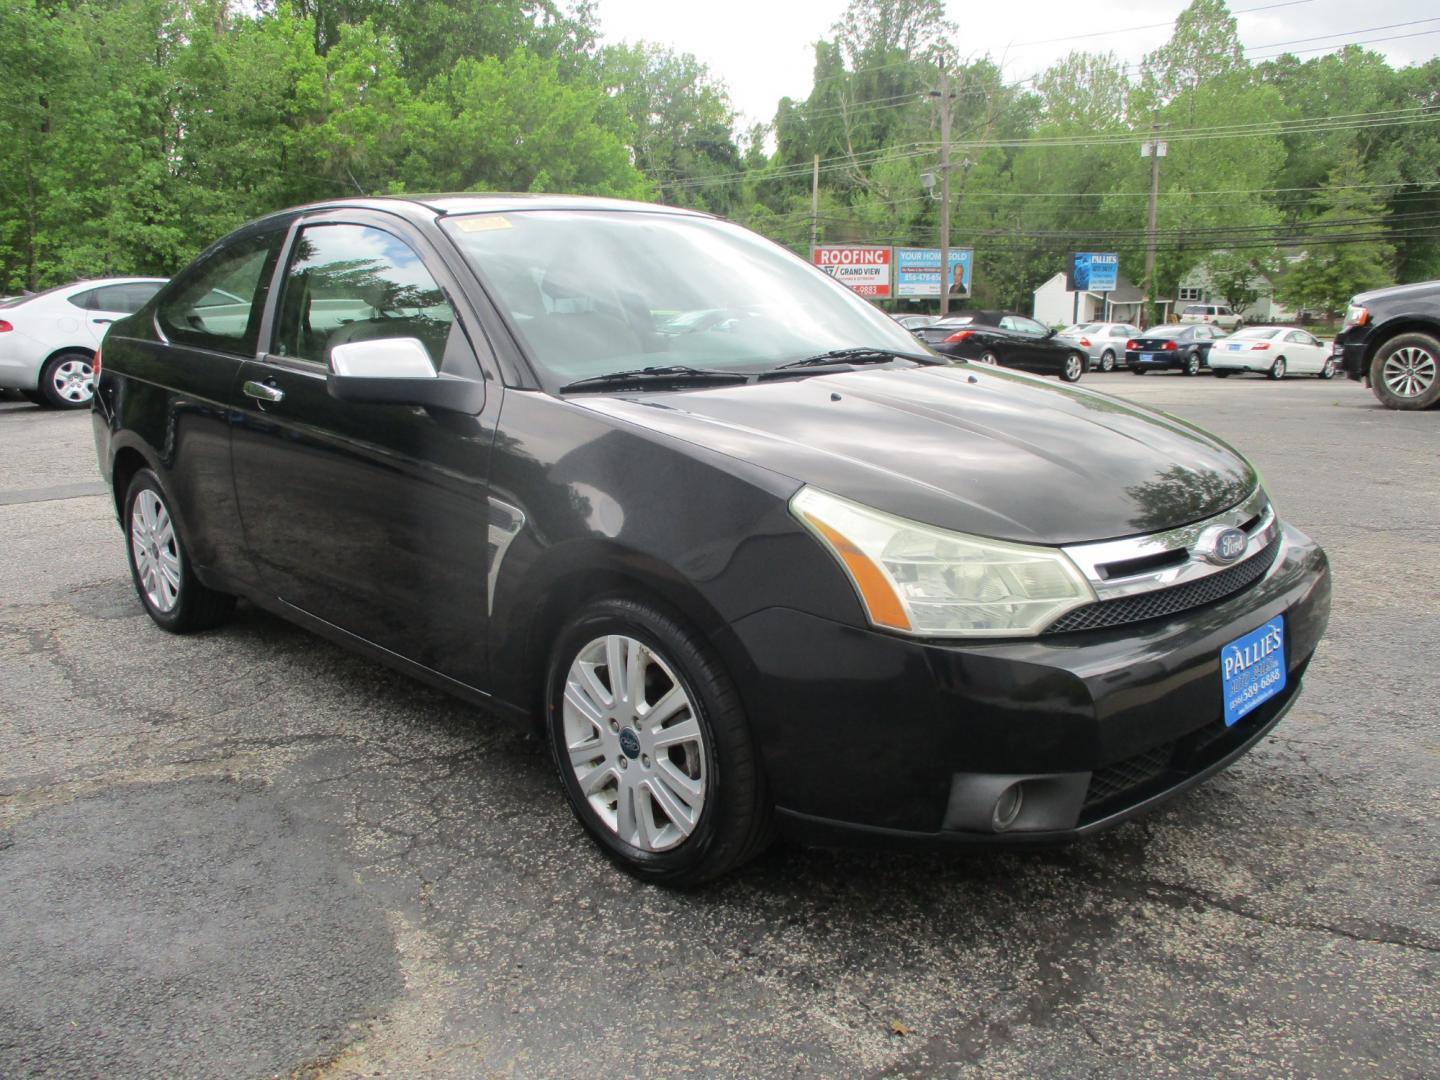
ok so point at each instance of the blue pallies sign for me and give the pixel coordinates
(1093, 271)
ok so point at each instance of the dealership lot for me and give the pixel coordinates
(250, 853)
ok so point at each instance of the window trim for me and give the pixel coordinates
(267, 228)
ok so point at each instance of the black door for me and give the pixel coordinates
(1030, 349)
(373, 518)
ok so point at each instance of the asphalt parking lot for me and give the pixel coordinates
(248, 853)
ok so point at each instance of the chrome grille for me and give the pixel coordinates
(1162, 602)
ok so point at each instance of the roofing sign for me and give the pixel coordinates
(863, 270)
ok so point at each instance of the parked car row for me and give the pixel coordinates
(48, 340)
(1008, 339)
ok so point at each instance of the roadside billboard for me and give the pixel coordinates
(1092, 271)
(864, 270)
(917, 271)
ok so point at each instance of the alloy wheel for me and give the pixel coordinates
(1277, 370)
(1107, 361)
(1409, 372)
(156, 550)
(1074, 367)
(988, 358)
(635, 743)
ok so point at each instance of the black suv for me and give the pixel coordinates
(1391, 340)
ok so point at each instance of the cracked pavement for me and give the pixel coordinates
(249, 853)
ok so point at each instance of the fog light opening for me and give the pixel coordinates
(1007, 807)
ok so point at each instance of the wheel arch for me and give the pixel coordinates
(565, 580)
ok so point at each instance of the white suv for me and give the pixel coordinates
(48, 340)
(1214, 314)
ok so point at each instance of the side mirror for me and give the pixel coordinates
(398, 371)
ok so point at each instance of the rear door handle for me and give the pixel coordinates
(263, 391)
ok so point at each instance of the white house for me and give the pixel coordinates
(1197, 288)
(1056, 305)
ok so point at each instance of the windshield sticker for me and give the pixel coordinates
(482, 223)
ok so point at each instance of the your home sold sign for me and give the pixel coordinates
(864, 270)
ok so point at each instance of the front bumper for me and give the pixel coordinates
(868, 735)
(1352, 354)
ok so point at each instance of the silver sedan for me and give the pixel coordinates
(1105, 342)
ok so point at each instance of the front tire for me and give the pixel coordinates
(1327, 370)
(1073, 368)
(1405, 373)
(1277, 369)
(160, 565)
(67, 381)
(652, 745)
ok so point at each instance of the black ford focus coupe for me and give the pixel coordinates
(755, 557)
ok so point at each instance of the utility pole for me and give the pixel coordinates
(815, 208)
(945, 99)
(1154, 150)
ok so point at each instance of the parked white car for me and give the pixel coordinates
(1275, 351)
(1105, 342)
(1213, 314)
(48, 340)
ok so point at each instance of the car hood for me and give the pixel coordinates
(978, 450)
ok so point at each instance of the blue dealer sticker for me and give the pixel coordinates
(1252, 669)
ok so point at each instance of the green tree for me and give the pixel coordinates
(1345, 253)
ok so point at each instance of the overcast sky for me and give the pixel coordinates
(762, 50)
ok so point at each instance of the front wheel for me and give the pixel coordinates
(1074, 368)
(1327, 370)
(1107, 361)
(652, 745)
(1192, 365)
(160, 566)
(1405, 373)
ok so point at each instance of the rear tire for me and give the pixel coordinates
(1107, 361)
(1192, 365)
(1136, 369)
(1277, 369)
(988, 357)
(1405, 373)
(599, 740)
(67, 381)
(160, 566)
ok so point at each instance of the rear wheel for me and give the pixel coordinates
(160, 566)
(1405, 373)
(1192, 365)
(988, 357)
(652, 745)
(1073, 368)
(67, 381)
(1277, 369)
(1107, 361)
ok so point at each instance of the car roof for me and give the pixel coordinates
(471, 202)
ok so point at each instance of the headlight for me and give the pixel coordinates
(1355, 315)
(920, 580)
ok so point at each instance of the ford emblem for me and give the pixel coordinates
(1223, 546)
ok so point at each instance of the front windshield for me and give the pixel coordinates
(594, 292)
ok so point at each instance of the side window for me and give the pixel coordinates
(128, 298)
(1021, 325)
(357, 283)
(1299, 337)
(217, 303)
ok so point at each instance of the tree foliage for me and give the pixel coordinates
(139, 130)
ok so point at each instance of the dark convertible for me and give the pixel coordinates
(751, 557)
(1009, 340)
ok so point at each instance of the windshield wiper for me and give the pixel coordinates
(861, 355)
(674, 373)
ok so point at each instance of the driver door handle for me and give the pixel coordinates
(263, 391)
